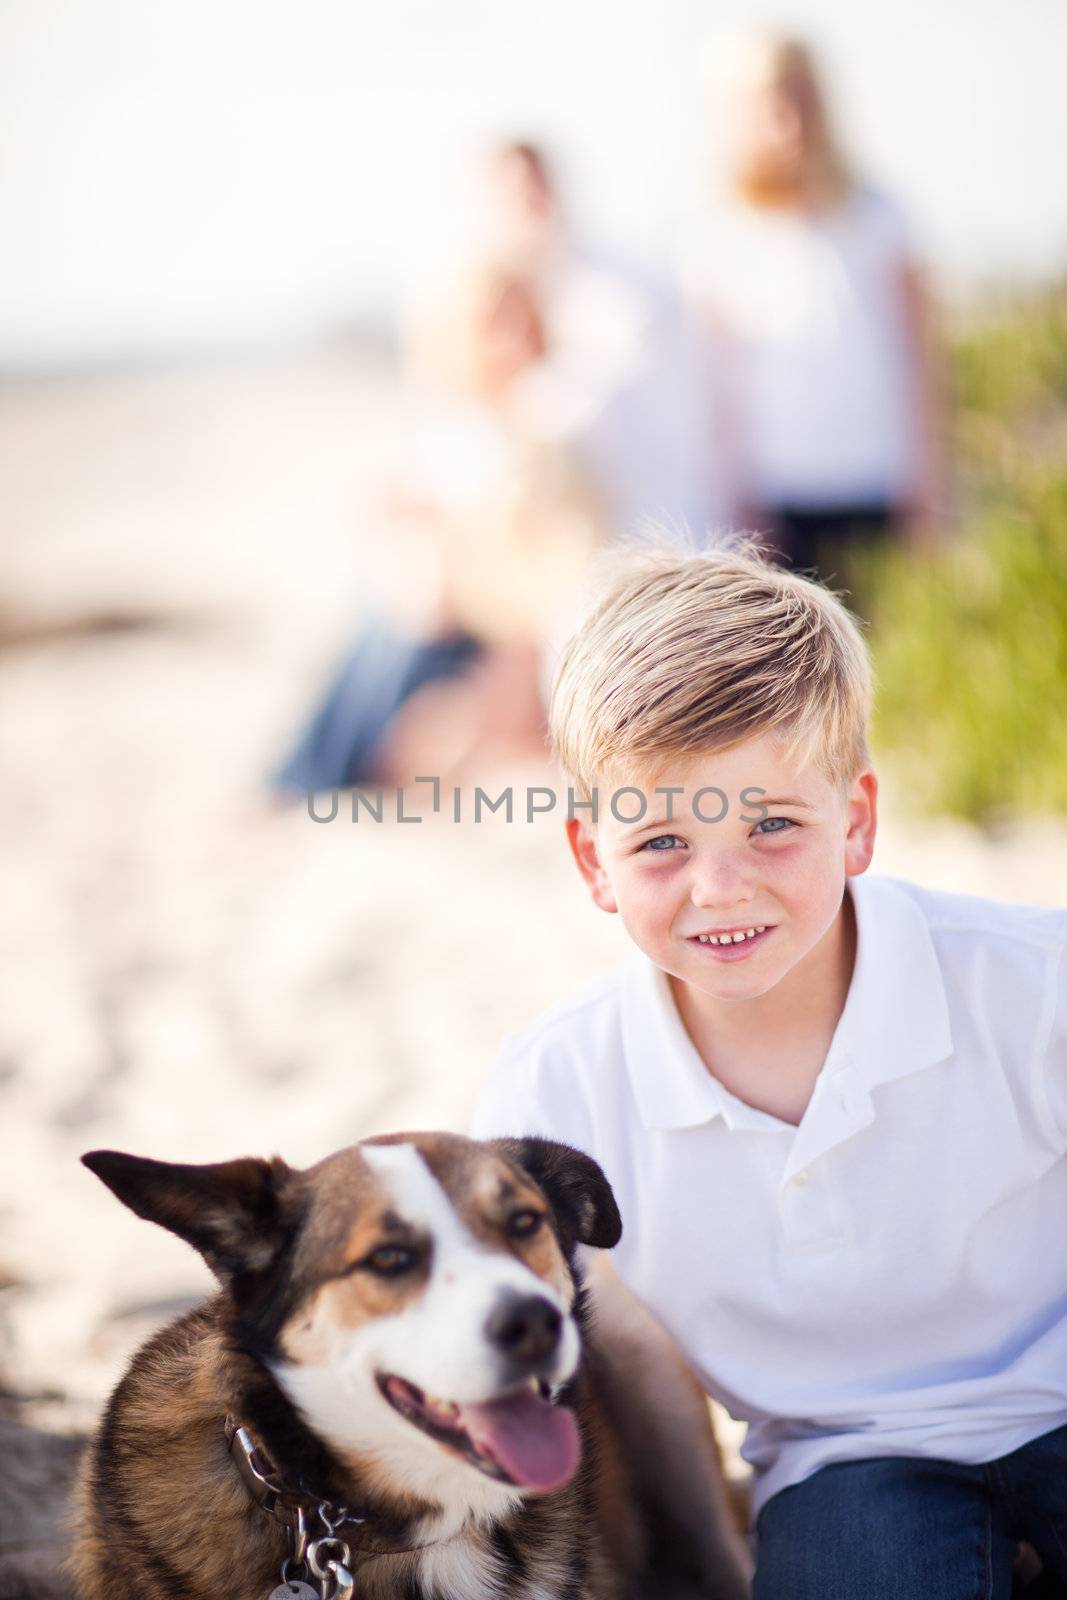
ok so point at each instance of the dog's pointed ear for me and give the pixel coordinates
(238, 1214)
(575, 1187)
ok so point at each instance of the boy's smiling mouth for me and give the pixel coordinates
(731, 943)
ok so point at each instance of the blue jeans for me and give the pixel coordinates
(903, 1528)
(383, 670)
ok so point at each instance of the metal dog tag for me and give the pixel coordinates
(295, 1590)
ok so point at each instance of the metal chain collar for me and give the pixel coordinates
(327, 1560)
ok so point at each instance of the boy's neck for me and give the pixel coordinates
(769, 1051)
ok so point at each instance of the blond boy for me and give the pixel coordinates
(833, 1107)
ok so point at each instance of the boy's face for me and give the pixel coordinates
(783, 871)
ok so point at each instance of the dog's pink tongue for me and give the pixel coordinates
(535, 1442)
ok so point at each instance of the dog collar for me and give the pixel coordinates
(296, 1511)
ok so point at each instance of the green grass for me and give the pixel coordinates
(1016, 361)
(970, 643)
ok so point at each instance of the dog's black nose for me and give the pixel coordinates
(526, 1328)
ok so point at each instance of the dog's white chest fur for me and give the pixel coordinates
(459, 1569)
(462, 1570)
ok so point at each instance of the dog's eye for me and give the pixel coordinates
(521, 1224)
(389, 1260)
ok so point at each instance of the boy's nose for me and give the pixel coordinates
(722, 882)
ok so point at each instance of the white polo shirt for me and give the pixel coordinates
(888, 1278)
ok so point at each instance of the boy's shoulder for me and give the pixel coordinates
(962, 955)
(974, 918)
(993, 986)
(591, 1014)
(555, 1074)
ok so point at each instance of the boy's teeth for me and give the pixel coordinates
(730, 938)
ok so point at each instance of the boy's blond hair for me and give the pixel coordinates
(696, 653)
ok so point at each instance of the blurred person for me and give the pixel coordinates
(823, 365)
(489, 532)
(522, 221)
(622, 377)
(560, 398)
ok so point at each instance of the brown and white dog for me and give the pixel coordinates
(398, 1363)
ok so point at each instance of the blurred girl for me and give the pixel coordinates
(823, 368)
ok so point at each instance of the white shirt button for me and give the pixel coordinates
(799, 1179)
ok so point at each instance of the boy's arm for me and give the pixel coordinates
(661, 1411)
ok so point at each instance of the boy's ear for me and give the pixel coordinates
(862, 819)
(574, 1186)
(581, 837)
(238, 1214)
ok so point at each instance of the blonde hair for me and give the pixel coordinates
(757, 59)
(696, 653)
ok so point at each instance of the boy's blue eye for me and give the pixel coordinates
(785, 824)
(662, 843)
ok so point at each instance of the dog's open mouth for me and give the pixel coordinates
(521, 1438)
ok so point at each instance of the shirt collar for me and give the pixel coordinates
(895, 1020)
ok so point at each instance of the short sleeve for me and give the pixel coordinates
(533, 1090)
(894, 228)
(1054, 1066)
(559, 1079)
(510, 1105)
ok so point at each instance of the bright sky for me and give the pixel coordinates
(197, 173)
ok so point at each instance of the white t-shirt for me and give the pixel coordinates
(888, 1278)
(624, 362)
(815, 361)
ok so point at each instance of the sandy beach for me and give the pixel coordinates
(185, 974)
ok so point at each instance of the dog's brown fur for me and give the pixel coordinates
(163, 1513)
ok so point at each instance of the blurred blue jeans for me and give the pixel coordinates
(903, 1528)
(383, 670)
